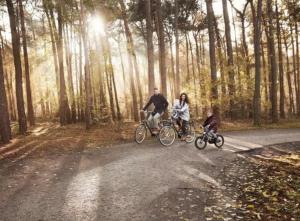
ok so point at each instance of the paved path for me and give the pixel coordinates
(124, 182)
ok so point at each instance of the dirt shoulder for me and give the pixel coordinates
(262, 184)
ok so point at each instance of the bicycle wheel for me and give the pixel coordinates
(200, 143)
(140, 133)
(219, 141)
(191, 134)
(167, 135)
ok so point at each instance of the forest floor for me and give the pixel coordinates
(67, 173)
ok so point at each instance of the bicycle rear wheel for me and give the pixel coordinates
(140, 133)
(219, 141)
(191, 134)
(167, 135)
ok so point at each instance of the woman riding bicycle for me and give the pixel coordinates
(181, 113)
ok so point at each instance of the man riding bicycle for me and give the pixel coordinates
(160, 105)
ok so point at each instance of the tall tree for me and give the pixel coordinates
(177, 75)
(273, 62)
(162, 50)
(257, 15)
(280, 63)
(88, 90)
(5, 130)
(18, 67)
(212, 55)
(64, 109)
(231, 82)
(132, 51)
(26, 66)
(150, 53)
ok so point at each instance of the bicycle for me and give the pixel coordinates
(169, 131)
(143, 127)
(204, 138)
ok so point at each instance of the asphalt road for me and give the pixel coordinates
(123, 182)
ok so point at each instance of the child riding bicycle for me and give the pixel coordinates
(210, 125)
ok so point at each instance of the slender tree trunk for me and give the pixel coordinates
(131, 51)
(177, 75)
(194, 79)
(70, 74)
(273, 68)
(280, 64)
(26, 65)
(297, 80)
(188, 77)
(5, 130)
(200, 73)
(162, 50)
(54, 49)
(231, 74)
(18, 68)
(173, 76)
(294, 66)
(119, 116)
(265, 76)
(123, 74)
(257, 15)
(88, 90)
(64, 110)
(221, 63)
(288, 74)
(212, 55)
(150, 53)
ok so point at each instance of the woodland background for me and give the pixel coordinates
(97, 61)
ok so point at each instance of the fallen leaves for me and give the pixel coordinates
(257, 189)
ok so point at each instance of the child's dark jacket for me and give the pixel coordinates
(212, 122)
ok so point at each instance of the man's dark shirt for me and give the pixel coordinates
(160, 103)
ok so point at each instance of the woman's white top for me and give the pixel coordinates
(184, 112)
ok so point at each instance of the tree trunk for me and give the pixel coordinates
(70, 74)
(221, 63)
(177, 75)
(212, 55)
(64, 110)
(5, 130)
(257, 15)
(188, 77)
(273, 67)
(294, 65)
(123, 75)
(88, 90)
(231, 74)
(194, 79)
(130, 51)
(280, 64)
(297, 80)
(288, 74)
(150, 52)
(162, 50)
(18, 68)
(26, 65)
(112, 75)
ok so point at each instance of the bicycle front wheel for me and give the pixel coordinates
(167, 135)
(140, 133)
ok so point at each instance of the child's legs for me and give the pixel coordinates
(212, 133)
